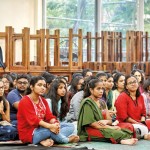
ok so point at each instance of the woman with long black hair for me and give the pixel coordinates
(131, 108)
(58, 104)
(7, 131)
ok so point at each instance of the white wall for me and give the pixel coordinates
(20, 14)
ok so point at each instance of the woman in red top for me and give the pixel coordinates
(131, 108)
(36, 124)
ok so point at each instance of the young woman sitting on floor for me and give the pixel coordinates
(36, 123)
(58, 104)
(131, 108)
(92, 125)
(7, 131)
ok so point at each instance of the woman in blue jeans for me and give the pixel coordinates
(58, 104)
(36, 123)
(7, 131)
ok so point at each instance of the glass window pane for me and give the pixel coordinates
(75, 14)
(64, 14)
(119, 15)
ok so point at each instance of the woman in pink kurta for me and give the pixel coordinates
(131, 108)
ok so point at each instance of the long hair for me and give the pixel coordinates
(116, 79)
(138, 70)
(48, 77)
(125, 84)
(74, 76)
(9, 78)
(146, 84)
(84, 71)
(2, 98)
(52, 94)
(73, 89)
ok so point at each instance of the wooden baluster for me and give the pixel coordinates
(89, 45)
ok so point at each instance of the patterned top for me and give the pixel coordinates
(39, 109)
(146, 97)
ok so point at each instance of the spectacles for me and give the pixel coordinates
(132, 82)
(19, 82)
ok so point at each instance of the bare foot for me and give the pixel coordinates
(147, 137)
(47, 142)
(132, 141)
(73, 139)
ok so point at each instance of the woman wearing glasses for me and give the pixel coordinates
(7, 131)
(8, 84)
(130, 107)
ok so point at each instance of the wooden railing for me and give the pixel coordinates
(34, 53)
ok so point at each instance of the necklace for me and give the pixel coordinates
(34, 100)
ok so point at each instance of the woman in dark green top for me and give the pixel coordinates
(92, 126)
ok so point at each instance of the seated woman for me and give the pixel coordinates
(138, 74)
(7, 131)
(75, 87)
(108, 94)
(92, 125)
(131, 108)
(117, 89)
(58, 104)
(146, 96)
(36, 123)
(72, 115)
(8, 84)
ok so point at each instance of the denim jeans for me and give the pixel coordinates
(41, 134)
(7, 133)
(14, 123)
(66, 128)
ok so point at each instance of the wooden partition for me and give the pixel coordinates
(13, 54)
(32, 53)
(110, 52)
(18, 59)
(59, 67)
(111, 46)
(137, 50)
(17, 62)
(38, 65)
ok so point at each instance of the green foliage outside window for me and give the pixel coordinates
(147, 15)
